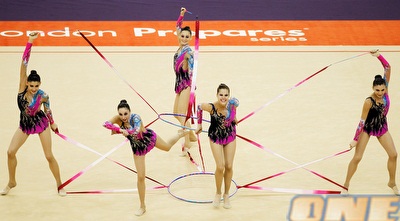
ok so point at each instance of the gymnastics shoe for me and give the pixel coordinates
(62, 192)
(227, 202)
(5, 190)
(395, 190)
(217, 200)
(344, 192)
(140, 211)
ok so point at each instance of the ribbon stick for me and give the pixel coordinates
(194, 162)
(115, 70)
(192, 106)
(296, 85)
(201, 154)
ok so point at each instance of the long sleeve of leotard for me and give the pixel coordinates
(27, 53)
(112, 127)
(359, 130)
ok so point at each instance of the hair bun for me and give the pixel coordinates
(378, 76)
(123, 101)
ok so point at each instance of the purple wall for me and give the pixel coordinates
(152, 10)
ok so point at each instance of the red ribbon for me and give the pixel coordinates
(295, 168)
(115, 70)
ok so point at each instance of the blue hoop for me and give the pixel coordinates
(195, 174)
(180, 115)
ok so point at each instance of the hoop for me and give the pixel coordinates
(192, 200)
(180, 115)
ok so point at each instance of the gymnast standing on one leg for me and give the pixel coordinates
(183, 67)
(142, 141)
(33, 120)
(374, 123)
(222, 134)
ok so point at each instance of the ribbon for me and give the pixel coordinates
(115, 70)
(91, 165)
(93, 151)
(113, 191)
(295, 191)
(297, 167)
(296, 85)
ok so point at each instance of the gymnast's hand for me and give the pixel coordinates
(353, 143)
(54, 127)
(124, 132)
(375, 52)
(183, 10)
(33, 35)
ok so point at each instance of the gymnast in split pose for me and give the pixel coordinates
(374, 123)
(222, 134)
(33, 120)
(183, 67)
(142, 140)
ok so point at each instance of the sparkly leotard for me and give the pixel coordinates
(376, 122)
(221, 131)
(142, 142)
(183, 78)
(32, 119)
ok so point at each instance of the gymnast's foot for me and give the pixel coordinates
(395, 189)
(5, 190)
(62, 192)
(140, 211)
(217, 200)
(345, 191)
(227, 202)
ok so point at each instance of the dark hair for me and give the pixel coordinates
(378, 81)
(223, 86)
(123, 104)
(187, 28)
(33, 76)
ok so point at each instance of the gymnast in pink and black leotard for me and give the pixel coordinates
(33, 120)
(374, 123)
(142, 140)
(222, 134)
(183, 68)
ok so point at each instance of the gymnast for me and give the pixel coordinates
(183, 67)
(222, 134)
(33, 120)
(142, 140)
(374, 123)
